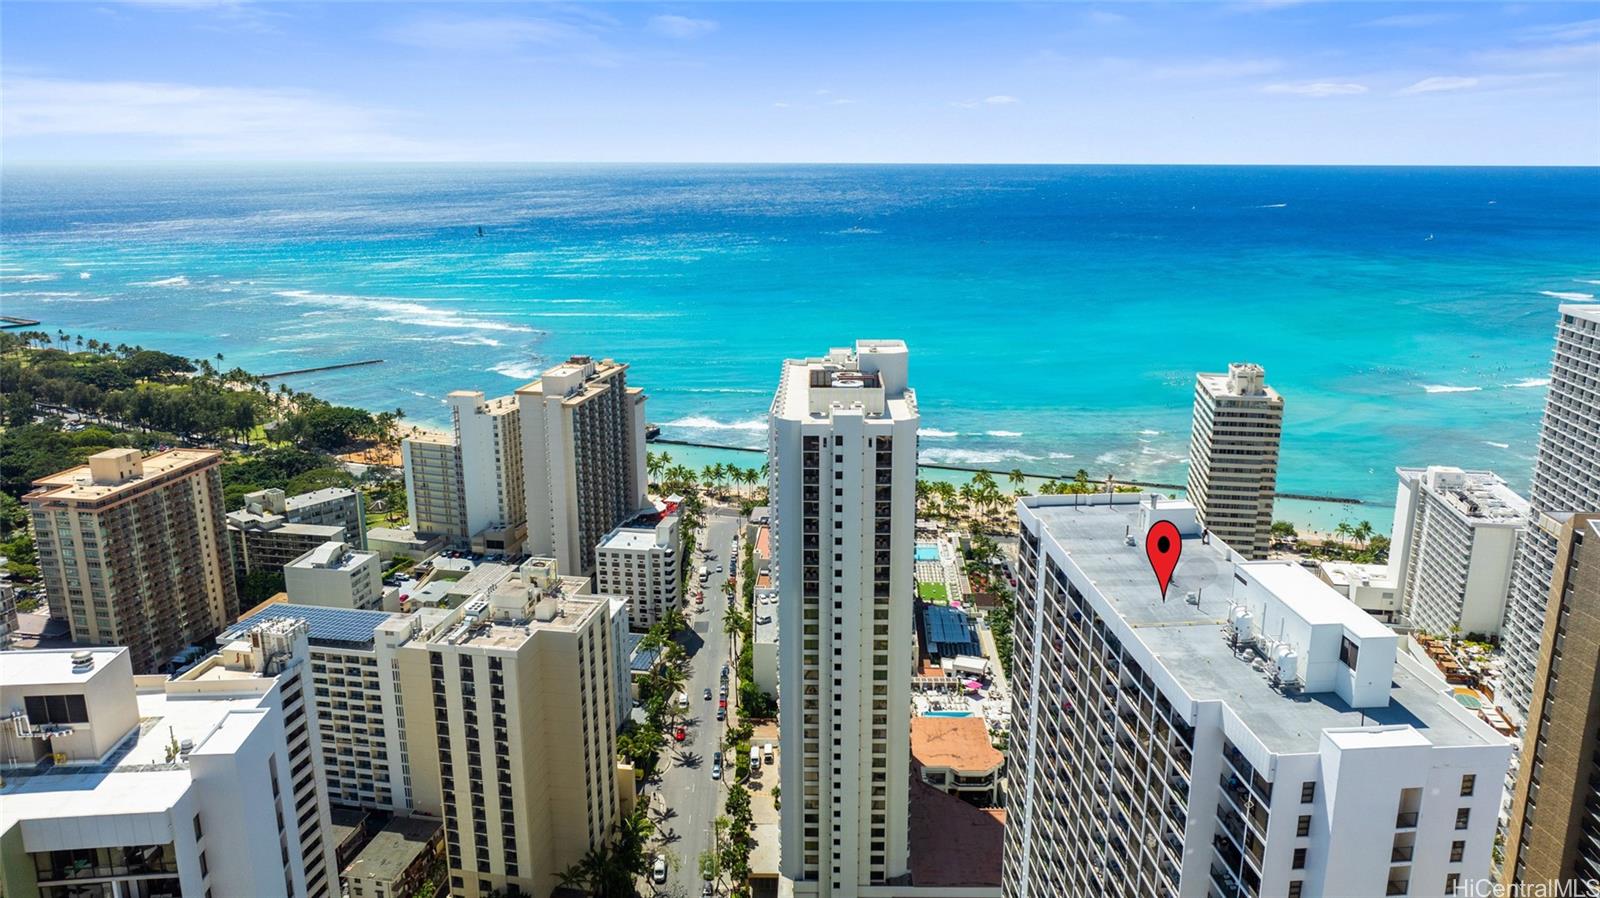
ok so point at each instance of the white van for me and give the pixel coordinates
(704, 574)
(755, 760)
(766, 754)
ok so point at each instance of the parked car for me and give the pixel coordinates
(706, 891)
(680, 734)
(716, 770)
(722, 713)
(766, 754)
(724, 673)
(658, 873)
(716, 756)
(722, 703)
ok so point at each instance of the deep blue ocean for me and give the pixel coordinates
(1056, 315)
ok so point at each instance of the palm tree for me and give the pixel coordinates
(1017, 478)
(1362, 532)
(1344, 531)
(653, 465)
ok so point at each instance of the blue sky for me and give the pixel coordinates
(1263, 82)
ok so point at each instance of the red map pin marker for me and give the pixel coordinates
(1163, 546)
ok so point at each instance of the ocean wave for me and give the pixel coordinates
(1273, 206)
(474, 340)
(175, 281)
(85, 275)
(517, 370)
(1446, 388)
(934, 433)
(943, 456)
(402, 311)
(1497, 445)
(1587, 281)
(28, 278)
(854, 231)
(1561, 294)
(1150, 433)
(1004, 434)
(701, 422)
(1060, 456)
(1527, 383)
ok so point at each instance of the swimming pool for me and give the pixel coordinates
(946, 713)
(926, 552)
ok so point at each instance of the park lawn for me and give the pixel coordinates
(933, 592)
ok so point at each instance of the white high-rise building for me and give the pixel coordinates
(1253, 732)
(1566, 478)
(1233, 455)
(639, 560)
(583, 458)
(469, 487)
(842, 449)
(1451, 548)
(205, 784)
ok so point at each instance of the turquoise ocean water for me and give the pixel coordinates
(1056, 315)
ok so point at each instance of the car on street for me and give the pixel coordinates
(724, 694)
(658, 873)
(722, 713)
(706, 891)
(724, 673)
(723, 702)
(716, 770)
(680, 734)
(708, 693)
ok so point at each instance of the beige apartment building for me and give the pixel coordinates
(583, 457)
(469, 486)
(1233, 455)
(1552, 836)
(135, 551)
(434, 503)
(511, 716)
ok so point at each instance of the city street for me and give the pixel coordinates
(691, 798)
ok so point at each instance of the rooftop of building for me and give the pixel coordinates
(332, 555)
(764, 543)
(516, 608)
(639, 532)
(79, 484)
(48, 667)
(953, 843)
(143, 773)
(871, 377)
(344, 627)
(317, 497)
(1190, 640)
(1478, 496)
(246, 520)
(1242, 380)
(960, 743)
(1586, 311)
(577, 378)
(394, 848)
(1344, 573)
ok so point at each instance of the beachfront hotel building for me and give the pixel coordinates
(205, 784)
(135, 550)
(639, 561)
(1452, 546)
(583, 458)
(511, 714)
(468, 486)
(1553, 836)
(431, 466)
(1251, 733)
(1233, 455)
(842, 449)
(1566, 478)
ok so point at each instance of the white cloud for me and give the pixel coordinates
(1001, 100)
(1215, 69)
(1318, 89)
(780, 105)
(197, 121)
(1410, 20)
(1440, 83)
(1581, 55)
(489, 35)
(1562, 31)
(1104, 17)
(681, 26)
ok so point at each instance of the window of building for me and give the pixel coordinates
(1308, 792)
(1295, 887)
(1303, 828)
(1348, 651)
(1463, 818)
(1469, 782)
(1458, 850)
(1452, 883)
(1299, 859)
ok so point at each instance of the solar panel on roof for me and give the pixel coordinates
(326, 624)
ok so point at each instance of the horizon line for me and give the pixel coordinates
(71, 163)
